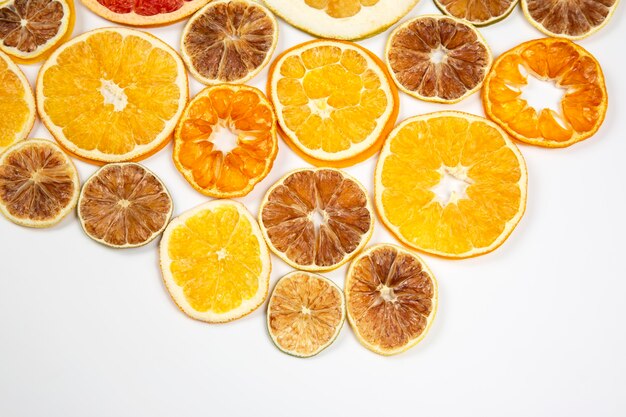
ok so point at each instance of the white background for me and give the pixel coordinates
(535, 328)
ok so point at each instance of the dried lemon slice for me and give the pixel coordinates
(477, 12)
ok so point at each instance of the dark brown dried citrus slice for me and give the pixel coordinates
(477, 12)
(229, 41)
(305, 313)
(316, 219)
(144, 12)
(124, 205)
(438, 58)
(38, 183)
(391, 298)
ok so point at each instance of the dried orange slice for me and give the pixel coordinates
(478, 12)
(451, 184)
(17, 103)
(112, 95)
(226, 141)
(215, 263)
(144, 12)
(124, 205)
(391, 298)
(335, 101)
(572, 19)
(316, 219)
(571, 69)
(305, 313)
(438, 58)
(229, 41)
(38, 183)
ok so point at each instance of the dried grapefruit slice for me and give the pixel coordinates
(305, 313)
(438, 58)
(572, 19)
(450, 184)
(335, 101)
(31, 29)
(391, 298)
(17, 103)
(124, 205)
(316, 219)
(477, 12)
(229, 41)
(568, 67)
(341, 19)
(144, 12)
(38, 183)
(112, 95)
(215, 263)
(225, 142)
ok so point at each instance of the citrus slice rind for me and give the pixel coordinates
(341, 19)
(479, 13)
(335, 102)
(316, 219)
(39, 184)
(132, 88)
(124, 205)
(214, 262)
(225, 142)
(570, 68)
(229, 41)
(439, 59)
(144, 13)
(305, 313)
(450, 184)
(391, 298)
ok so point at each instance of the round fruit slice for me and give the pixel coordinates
(451, 184)
(438, 58)
(144, 12)
(226, 140)
(124, 205)
(112, 95)
(572, 19)
(17, 103)
(316, 219)
(391, 299)
(38, 183)
(341, 19)
(479, 12)
(215, 263)
(305, 313)
(335, 101)
(569, 68)
(229, 41)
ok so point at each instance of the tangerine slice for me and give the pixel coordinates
(438, 58)
(229, 41)
(144, 12)
(316, 219)
(391, 298)
(571, 68)
(124, 205)
(305, 313)
(478, 12)
(450, 184)
(225, 142)
(38, 183)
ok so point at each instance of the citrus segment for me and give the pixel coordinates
(144, 12)
(478, 12)
(17, 103)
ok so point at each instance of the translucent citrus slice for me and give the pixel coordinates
(215, 263)
(572, 19)
(568, 67)
(335, 101)
(144, 12)
(391, 298)
(112, 95)
(438, 58)
(226, 140)
(477, 12)
(305, 313)
(17, 103)
(31, 29)
(229, 41)
(316, 219)
(38, 183)
(124, 205)
(451, 184)
(341, 19)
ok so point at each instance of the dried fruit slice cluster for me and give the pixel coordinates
(144, 12)
(477, 12)
(438, 58)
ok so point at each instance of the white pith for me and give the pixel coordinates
(453, 185)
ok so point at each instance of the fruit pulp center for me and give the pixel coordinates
(437, 56)
(221, 254)
(113, 94)
(318, 218)
(542, 94)
(452, 186)
(306, 310)
(386, 293)
(224, 139)
(321, 107)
